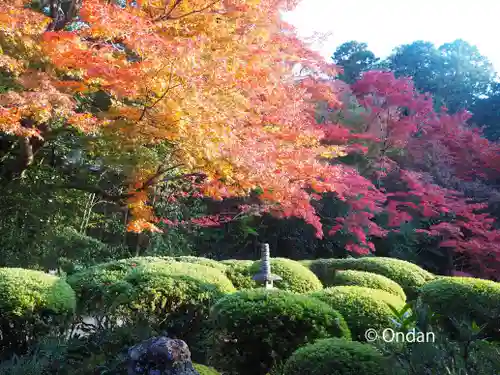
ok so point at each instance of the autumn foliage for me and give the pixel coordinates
(213, 81)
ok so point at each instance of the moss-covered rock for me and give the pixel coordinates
(239, 272)
(362, 308)
(369, 280)
(255, 329)
(335, 356)
(464, 298)
(296, 277)
(205, 370)
(408, 275)
(32, 303)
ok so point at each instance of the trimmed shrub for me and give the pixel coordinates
(203, 261)
(107, 285)
(98, 288)
(369, 280)
(238, 271)
(172, 296)
(408, 275)
(32, 304)
(255, 329)
(464, 298)
(362, 308)
(205, 370)
(296, 277)
(306, 262)
(336, 357)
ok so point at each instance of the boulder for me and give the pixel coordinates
(160, 356)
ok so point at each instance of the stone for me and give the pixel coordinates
(265, 276)
(160, 356)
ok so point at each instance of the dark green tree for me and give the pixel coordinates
(455, 73)
(354, 58)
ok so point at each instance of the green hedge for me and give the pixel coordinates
(408, 275)
(336, 357)
(238, 271)
(464, 298)
(203, 261)
(296, 277)
(255, 329)
(32, 303)
(172, 296)
(205, 370)
(362, 308)
(102, 287)
(369, 280)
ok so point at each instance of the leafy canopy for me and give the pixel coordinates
(212, 80)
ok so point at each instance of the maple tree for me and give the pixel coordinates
(211, 79)
(429, 165)
(202, 93)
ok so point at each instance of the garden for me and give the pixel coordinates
(313, 321)
(149, 151)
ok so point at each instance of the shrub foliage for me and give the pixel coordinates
(369, 280)
(32, 303)
(362, 308)
(336, 356)
(254, 329)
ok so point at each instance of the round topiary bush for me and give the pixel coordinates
(335, 356)
(32, 303)
(464, 298)
(102, 286)
(97, 288)
(254, 329)
(203, 261)
(238, 271)
(408, 275)
(205, 370)
(362, 308)
(296, 277)
(369, 280)
(171, 296)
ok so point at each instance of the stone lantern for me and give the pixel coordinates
(265, 276)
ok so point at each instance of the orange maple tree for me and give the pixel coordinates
(212, 79)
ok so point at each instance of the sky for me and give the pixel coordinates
(385, 24)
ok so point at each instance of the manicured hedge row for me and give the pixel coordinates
(408, 275)
(254, 329)
(116, 283)
(464, 297)
(336, 356)
(369, 280)
(361, 307)
(203, 261)
(163, 294)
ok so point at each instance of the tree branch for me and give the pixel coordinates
(167, 16)
(169, 87)
(121, 198)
